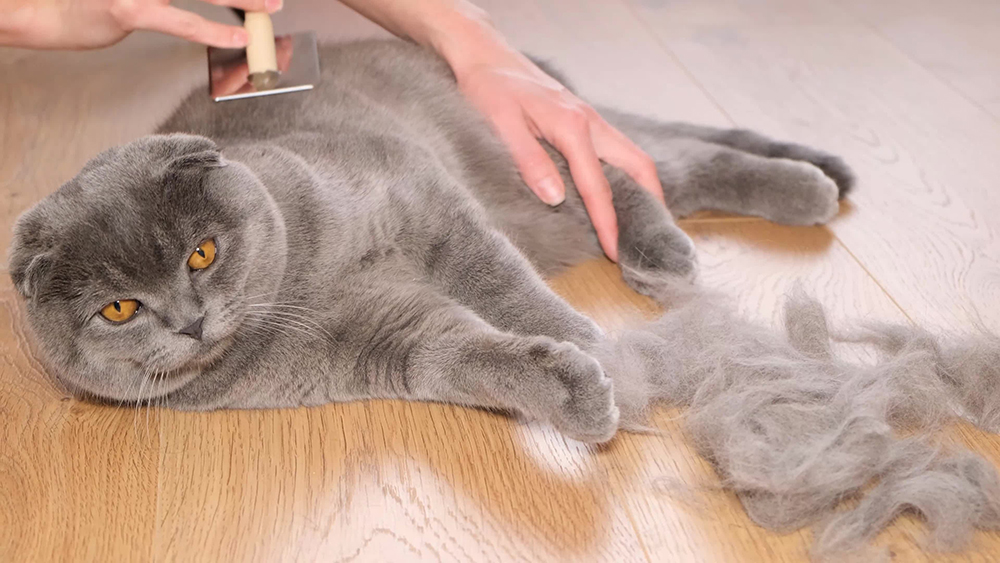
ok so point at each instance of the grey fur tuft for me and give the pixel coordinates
(794, 430)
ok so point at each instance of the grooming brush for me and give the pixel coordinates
(267, 66)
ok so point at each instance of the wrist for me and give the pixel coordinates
(466, 39)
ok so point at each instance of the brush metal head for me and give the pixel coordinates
(298, 70)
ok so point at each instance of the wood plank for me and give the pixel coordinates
(923, 221)
(382, 481)
(607, 56)
(957, 41)
(77, 481)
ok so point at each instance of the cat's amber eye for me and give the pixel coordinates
(120, 311)
(203, 256)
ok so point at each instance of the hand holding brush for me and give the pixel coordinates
(91, 24)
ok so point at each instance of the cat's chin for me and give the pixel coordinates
(175, 376)
(206, 355)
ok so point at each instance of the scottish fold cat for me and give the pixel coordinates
(370, 239)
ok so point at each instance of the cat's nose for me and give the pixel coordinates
(194, 329)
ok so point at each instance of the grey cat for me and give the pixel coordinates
(371, 239)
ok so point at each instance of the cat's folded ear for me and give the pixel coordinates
(203, 159)
(29, 274)
(193, 152)
(29, 261)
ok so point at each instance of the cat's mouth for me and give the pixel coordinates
(203, 355)
(206, 353)
(167, 378)
(172, 369)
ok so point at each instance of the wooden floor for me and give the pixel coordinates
(908, 91)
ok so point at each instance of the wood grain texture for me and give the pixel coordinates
(811, 71)
(392, 481)
(77, 482)
(956, 41)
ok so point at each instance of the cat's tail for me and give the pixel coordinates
(794, 429)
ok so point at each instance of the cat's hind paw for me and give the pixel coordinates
(832, 166)
(801, 194)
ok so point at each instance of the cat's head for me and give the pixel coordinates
(142, 268)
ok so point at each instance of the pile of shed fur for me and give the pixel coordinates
(795, 431)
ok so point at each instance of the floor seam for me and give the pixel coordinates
(906, 55)
(159, 491)
(680, 64)
(868, 273)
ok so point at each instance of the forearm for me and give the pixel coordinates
(456, 29)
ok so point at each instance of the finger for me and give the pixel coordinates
(618, 150)
(575, 143)
(269, 6)
(283, 50)
(536, 167)
(230, 81)
(186, 25)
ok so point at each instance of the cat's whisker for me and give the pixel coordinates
(252, 323)
(128, 389)
(318, 330)
(643, 254)
(282, 310)
(260, 325)
(161, 400)
(295, 304)
(300, 312)
(138, 402)
(302, 330)
(154, 400)
(152, 383)
(284, 328)
(291, 316)
(253, 329)
(285, 305)
(144, 403)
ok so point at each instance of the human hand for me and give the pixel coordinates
(524, 104)
(88, 24)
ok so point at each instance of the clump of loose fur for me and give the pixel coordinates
(795, 430)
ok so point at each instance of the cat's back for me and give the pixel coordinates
(372, 85)
(388, 134)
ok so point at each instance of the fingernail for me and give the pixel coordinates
(240, 38)
(613, 254)
(273, 5)
(550, 192)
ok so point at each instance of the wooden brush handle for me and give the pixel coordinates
(261, 56)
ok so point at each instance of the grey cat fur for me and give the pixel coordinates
(794, 430)
(375, 241)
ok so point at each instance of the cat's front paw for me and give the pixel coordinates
(656, 258)
(585, 409)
